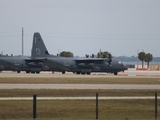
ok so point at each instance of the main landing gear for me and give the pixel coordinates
(33, 72)
(83, 73)
(115, 73)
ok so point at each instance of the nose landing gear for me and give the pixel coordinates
(63, 72)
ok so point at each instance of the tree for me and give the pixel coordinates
(107, 55)
(99, 54)
(66, 54)
(104, 55)
(148, 58)
(141, 56)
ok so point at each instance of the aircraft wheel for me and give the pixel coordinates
(18, 71)
(27, 71)
(78, 73)
(115, 73)
(88, 73)
(63, 72)
(37, 72)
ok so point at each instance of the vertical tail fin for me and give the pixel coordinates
(38, 48)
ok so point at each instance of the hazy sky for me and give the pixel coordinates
(81, 26)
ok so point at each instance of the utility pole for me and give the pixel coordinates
(22, 44)
(137, 57)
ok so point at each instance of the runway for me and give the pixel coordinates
(155, 74)
(81, 86)
(129, 74)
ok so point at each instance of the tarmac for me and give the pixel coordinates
(127, 73)
(82, 86)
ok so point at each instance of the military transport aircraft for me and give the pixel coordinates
(11, 63)
(75, 65)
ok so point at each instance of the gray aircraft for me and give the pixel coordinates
(75, 65)
(11, 63)
(3, 65)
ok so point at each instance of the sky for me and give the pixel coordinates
(121, 27)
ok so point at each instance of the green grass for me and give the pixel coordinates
(74, 93)
(79, 110)
(81, 80)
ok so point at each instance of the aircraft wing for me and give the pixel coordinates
(89, 62)
(8, 65)
(53, 63)
(92, 60)
(32, 62)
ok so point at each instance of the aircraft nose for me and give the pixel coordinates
(125, 67)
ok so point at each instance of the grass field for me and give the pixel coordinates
(81, 80)
(78, 109)
(74, 93)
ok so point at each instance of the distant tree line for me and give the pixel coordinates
(133, 59)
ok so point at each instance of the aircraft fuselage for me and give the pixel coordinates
(87, 65)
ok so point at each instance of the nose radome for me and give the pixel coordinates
(125, 67)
